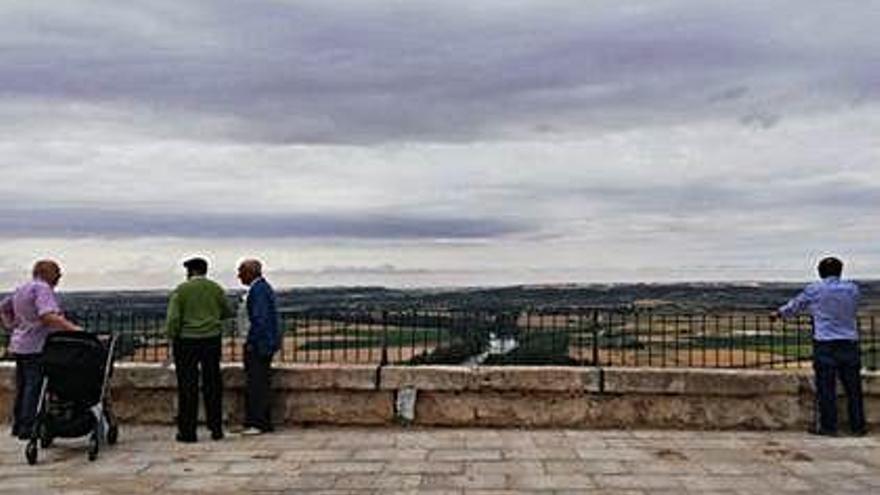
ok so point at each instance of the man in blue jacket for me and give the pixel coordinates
(260, 323)
(833, 304)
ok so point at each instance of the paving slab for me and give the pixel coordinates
(451, 461)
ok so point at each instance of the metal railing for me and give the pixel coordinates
(571, 336)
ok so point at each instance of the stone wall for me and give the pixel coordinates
(507, 396)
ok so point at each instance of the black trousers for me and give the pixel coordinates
(832, 359)
(257, 401)
(28, 383)
(191, 355)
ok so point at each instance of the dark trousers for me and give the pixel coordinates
(257, 402)
(190, 355)
(28, 382)
(832, 359)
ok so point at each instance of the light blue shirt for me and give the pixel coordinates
(833, 303)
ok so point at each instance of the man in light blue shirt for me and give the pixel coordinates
(833, 304)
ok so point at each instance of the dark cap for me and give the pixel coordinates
(196, 265)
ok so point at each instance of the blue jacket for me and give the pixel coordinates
(263, 336)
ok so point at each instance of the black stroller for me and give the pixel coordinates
(74, 398)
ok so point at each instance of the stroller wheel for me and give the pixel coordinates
(93, 447)
(30, 452)
(112, 434)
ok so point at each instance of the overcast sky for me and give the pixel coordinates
(408, 143)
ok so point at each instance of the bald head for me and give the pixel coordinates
(48, 271)
(249, 270)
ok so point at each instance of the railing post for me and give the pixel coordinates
(384, 360)
(595, 337)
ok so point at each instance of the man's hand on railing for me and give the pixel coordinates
(775, 315)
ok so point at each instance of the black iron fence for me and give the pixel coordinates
(578, 337)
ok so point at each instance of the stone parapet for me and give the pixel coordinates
(491, 378)
(704, 382)
(511, 396)
(323, 377)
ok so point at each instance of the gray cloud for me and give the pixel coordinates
(532, 135)
(704, 197)
(83, 223)
(362, 73)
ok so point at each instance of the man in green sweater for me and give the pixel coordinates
(195, 311)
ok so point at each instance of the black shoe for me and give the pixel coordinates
(186, 438)
(860, 433)
(217, 435)
(821, 432)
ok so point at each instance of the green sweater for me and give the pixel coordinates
(196, 308)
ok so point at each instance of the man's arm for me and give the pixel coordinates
(58, 321)
(794, 306)
(7, 314)
(172, 317)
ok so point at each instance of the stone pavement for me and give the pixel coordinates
(452, 461)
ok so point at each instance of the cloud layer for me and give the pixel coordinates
(366, 72)
(487, 142)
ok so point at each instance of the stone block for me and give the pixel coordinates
(644, 380)
(501, 409)
(7, 376)
(233, 375)
(143, 376)
(871, 382)
(446, 378)
(511, 409)
(445, 408)
(745, 382)
(339, 407)
(535, 378)
(144, 405)
(703, 381)
(496, 378)
(6, 401)
(324, 377)
(698, 412)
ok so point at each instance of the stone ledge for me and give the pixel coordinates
(707, 382)
(536, 378)
(449, 378)
(285, 376)
(711, 382)
(871, 382)
(145, 376)
(324, 376)
(499, 378)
